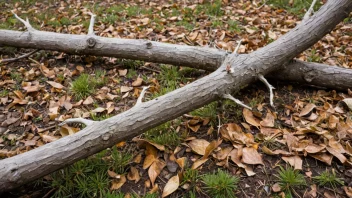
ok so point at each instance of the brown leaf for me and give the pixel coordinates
(67, 130)
(133, 175)
(155, 169)
(294, 161)
(55, 84)
(122, 72)
(212, 146)
(89, 100)
(223, 153)
(337, 154)
(250, 119)
(151, 156)
(268, 121)
(307, 109)
(48, 138)
(251, 156)
(198, 163)
(124, 89)
(198, 146)
(324, 157)
(313, 148)
(276, 187)
(117, 183)
(114, 175)
(171, 186)
(137, 82)
(348, 191)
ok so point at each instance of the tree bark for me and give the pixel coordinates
(196, 57)
(39, 162)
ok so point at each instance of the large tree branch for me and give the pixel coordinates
(36, 163)
(196, 57)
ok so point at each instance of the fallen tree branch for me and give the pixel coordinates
(18, 58)
(196, 57)
(39, 162)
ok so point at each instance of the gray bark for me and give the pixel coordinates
(196, 57)
(39, 162)
(315, 74)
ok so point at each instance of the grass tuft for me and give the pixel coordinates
(328, 178)
(290, 179)
(164, 134)
(220, 184)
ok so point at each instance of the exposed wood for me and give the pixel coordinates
(39, 162)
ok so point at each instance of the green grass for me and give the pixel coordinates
(299, 7)
(328, 178)
(4, 93)
(85, 84)
(88, 177)
(233, 26)
(187, 25)
(16, 76)
(85, 178)
(220, 184)
(191, 177)
(216, 23)
(210, 9)
(115, 9)
(313, 56)
(120, 160)
(82, 87)
(289, 180)
(133, 11)
(208, 111)
(164, 134)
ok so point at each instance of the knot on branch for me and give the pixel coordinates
(149, 45)
(91, 42)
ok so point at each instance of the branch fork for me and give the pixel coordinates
(270, 88)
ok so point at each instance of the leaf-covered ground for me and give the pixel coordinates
(300, 148)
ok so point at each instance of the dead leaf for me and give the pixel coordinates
(250, 119)
(155, 169)
(324, 157)
(133, 175)
(198, 146)
(171, 186)
(55, 84)
(276, 187)
(124, 89)
(307, 109)
(268, 121)
(117, 183)
(122, 72)
(137, 82)
(294, 161)
(212, 146)
(151, 156)
(198, 163)
(251, 156)
(89, 100)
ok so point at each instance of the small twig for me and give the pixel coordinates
(77, 120)
(270, 88)
(18, 58)
(219, 126)
(310, 11)
(237, 47)
(228, 96)
(139, 100)
(26, 23)
(91, 24)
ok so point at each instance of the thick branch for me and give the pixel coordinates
(36, 163)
